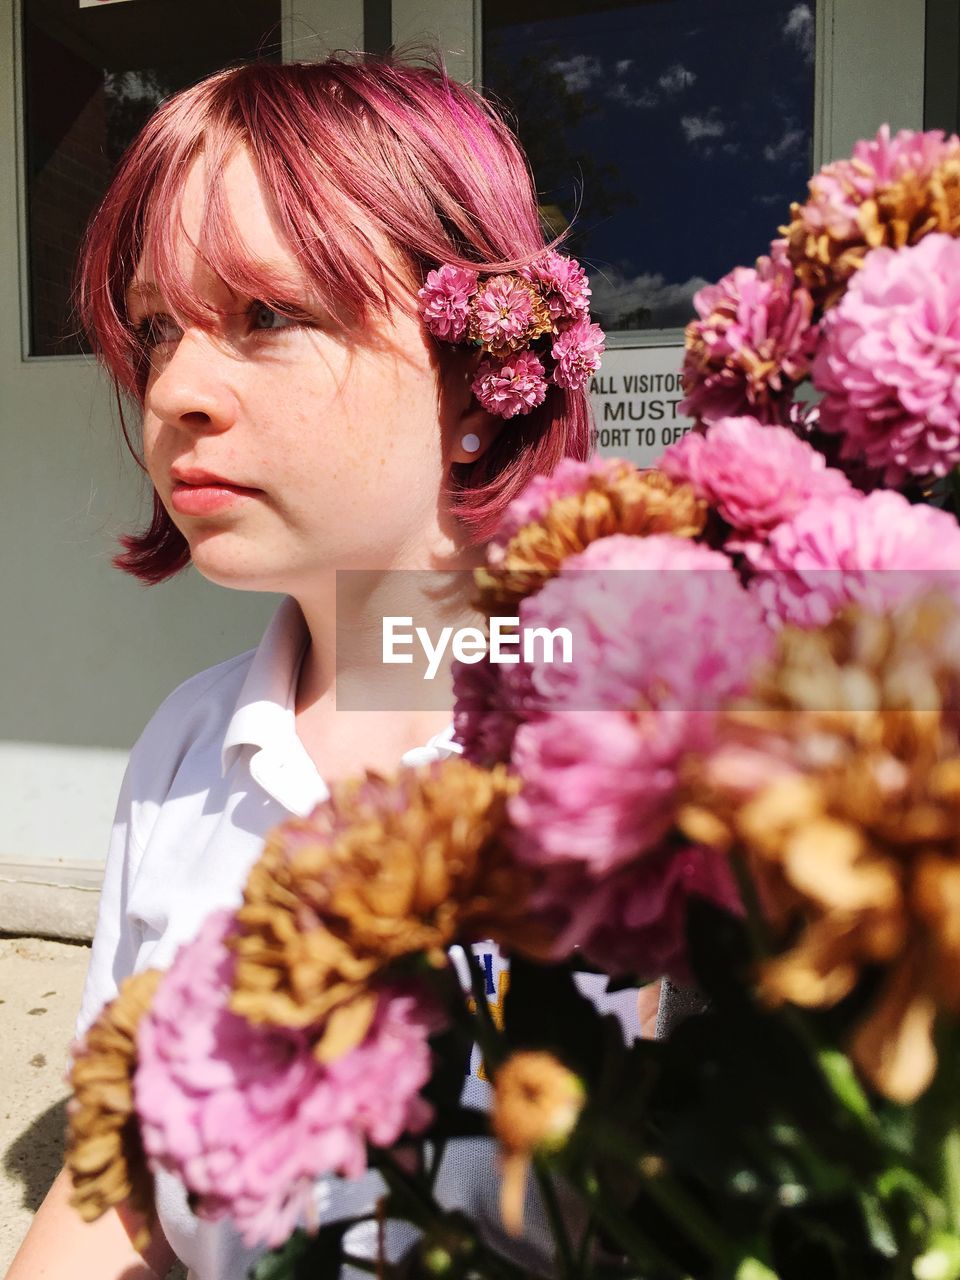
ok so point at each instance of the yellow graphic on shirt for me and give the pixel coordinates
(496, 1012)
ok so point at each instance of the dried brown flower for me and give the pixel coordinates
(840, 783)
(620, 500)
(827, 252)
(536, 1105)
(104, 1155)
(384, 869)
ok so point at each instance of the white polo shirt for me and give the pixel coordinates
(217, 766)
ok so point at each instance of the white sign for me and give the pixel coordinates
(95, 4)
(636, 399)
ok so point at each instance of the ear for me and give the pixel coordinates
(466, 417)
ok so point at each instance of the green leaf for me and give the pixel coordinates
(941, 1261)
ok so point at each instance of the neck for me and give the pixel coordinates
(344, 666)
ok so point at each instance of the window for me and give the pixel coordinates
(941, 104)
(688, 124)
(94, 72)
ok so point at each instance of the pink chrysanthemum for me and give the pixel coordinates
(752, 344)
(841, 189)
(889, 362)
(577, 353)
(756, 476)
(563, 285)
(706, 628)
(876, 551)
(569, 476)
(488, 706)
(246, 1116)
(506, 313)
(633, 922)
(649, 689)
(599, 786)
(445, 301)
(512, 386)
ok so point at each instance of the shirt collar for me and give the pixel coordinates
(264, 710)
(264, 714)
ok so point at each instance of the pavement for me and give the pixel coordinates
(40, 985)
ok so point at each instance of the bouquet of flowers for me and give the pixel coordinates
(748, 781)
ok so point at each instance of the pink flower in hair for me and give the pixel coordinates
(514, 385)
(246, 1116)
(445, 301)
(562, 284)
(506, 314)
(755, 476)
(577, 353)
(752, 344)
(889, 363)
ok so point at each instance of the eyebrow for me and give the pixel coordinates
(141, 289)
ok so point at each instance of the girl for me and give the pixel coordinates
(251, 279)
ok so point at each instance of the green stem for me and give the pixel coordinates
(372, 1268)
(557, 1225)
(423, 1211)
(756, 925)
(906, 1182)
(584, 1267)
(639, 1249)
(439, 1145)
(835, 1068)
(670, 1196)
(950, 1173)
(414, 1201)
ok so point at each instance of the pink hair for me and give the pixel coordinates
(428, 161)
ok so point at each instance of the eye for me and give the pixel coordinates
(154, 329)
(263, 316)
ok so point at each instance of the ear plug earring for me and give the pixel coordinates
(470, 443)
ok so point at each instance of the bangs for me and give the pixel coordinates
(342, 274)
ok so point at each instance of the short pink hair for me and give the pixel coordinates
(431, 164)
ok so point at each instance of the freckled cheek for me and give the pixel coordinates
(152, 447)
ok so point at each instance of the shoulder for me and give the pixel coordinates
(187, 728)
(210, 693)
(200, 704)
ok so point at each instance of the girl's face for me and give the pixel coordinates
(343, 440)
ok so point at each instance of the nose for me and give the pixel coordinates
(193, 388)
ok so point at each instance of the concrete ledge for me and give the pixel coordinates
(50, 900)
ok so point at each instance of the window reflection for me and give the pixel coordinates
(677, 132)
(93, 75)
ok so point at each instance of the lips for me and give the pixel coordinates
(206, 479)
